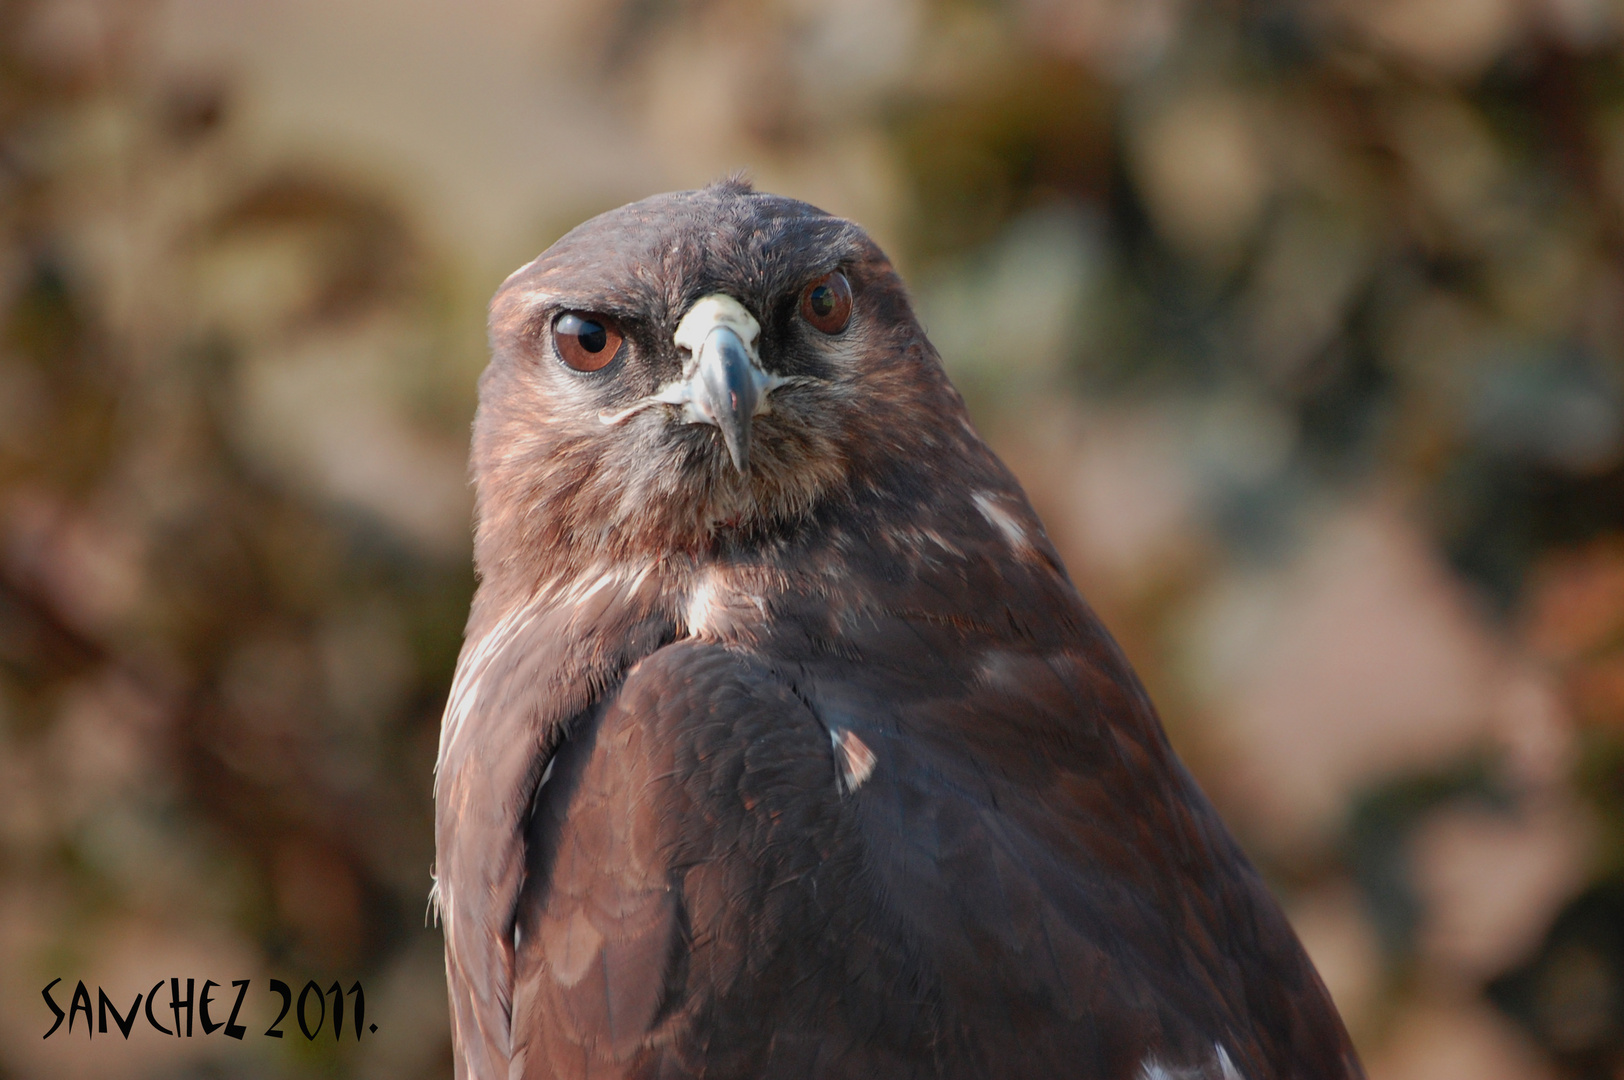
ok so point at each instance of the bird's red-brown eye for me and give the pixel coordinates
(586, 342)
(826, 303)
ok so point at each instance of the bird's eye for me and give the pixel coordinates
(826, 303)
(586, 342)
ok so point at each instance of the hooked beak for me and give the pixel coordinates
(722, 383)
(725, 392)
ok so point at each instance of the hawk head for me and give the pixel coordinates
(697, 368)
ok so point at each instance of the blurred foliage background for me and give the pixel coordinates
(1301, 320)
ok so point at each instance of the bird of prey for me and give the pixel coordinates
(781, 744)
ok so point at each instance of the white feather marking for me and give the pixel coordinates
(701, 606)
(853, 759)
(1154, 1069)
(638, 579)
(719, 600)
(546, 775)
(603, 581)
(1001, 519)
(471, 671)
(611, 419)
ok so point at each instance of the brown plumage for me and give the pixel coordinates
(781, 745)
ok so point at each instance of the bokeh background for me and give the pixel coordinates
(1301, 320)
